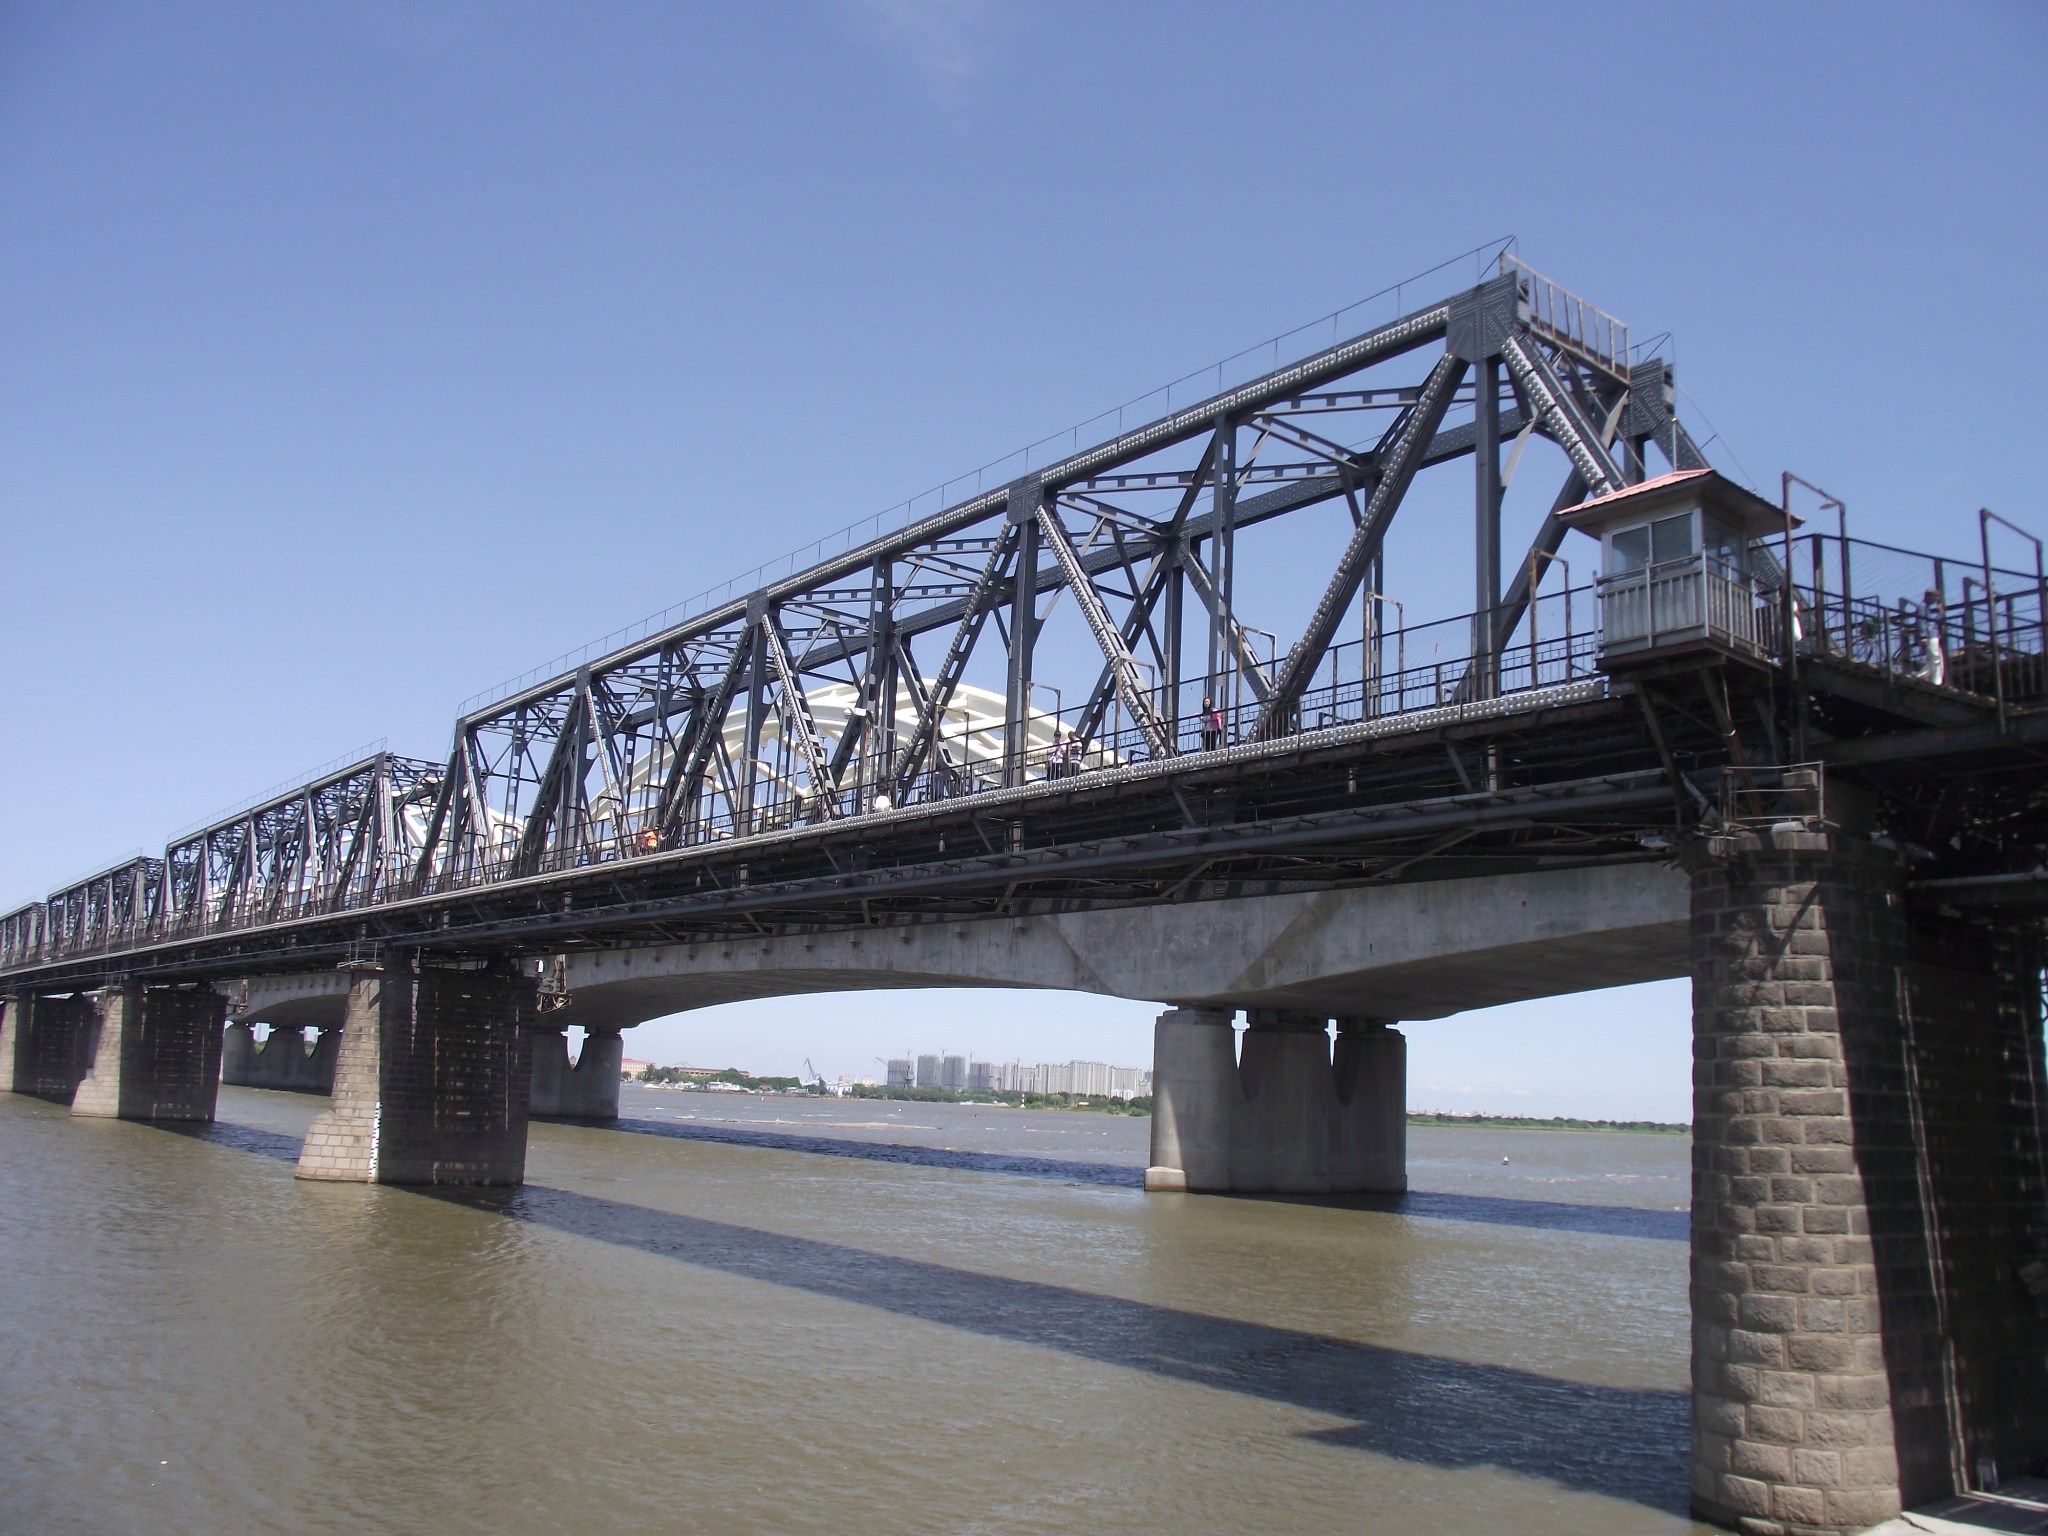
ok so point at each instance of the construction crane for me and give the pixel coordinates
(816, 1076)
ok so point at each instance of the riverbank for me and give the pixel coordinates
(1553, 1123)
(1141, 1106)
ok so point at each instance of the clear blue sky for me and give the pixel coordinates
(354, 356)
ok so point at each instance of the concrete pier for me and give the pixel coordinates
(1868, 1203)
(1289, 1118)
(237, 1050)
(1194, 1099)
(589, 1090)
(1282, 1140)
(321, 1063)
(432, 1083)
(46, 1044)
(156, 1054)
(1369, 1126)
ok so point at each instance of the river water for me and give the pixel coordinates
(735, 1315)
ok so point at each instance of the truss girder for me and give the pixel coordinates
(1115, 654)
(705, 735)
(1553, 405)
(1401, 457)
(926, 737)
(1299, 378)
(1240, 644)
(802, 701)
(796, 714)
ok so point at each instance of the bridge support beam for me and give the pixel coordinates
(1288, 1118)
(156, 1056)
(432, 1082)
(587, 1091)
(46, 1044)
(1869, 1217)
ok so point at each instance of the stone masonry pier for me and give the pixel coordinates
(1870, 1228)
(156, 1054)
(433, 1081)
(46, 1043)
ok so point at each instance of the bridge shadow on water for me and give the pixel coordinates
(1511, 1211)
(1492, 1210)
(243, 1138)
(1626, 1443)
(1545, 1215)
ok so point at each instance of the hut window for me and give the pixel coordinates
(1671, 538)
(1628, 549)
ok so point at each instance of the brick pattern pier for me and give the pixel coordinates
(433, 1082)
(156, 1054)
(1866, 1191)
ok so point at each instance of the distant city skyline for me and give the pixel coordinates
(959, 1073)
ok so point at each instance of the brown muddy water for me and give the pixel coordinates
(737, 1315)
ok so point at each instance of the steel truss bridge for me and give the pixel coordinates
(902, 732)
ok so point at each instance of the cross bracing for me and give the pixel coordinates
(637, 753)
(956, 693)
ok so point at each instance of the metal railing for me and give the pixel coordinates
(1967, 627)
(1555, 311)
(1694, 597)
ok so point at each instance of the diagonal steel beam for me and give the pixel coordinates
(1157, 579)
(920, 699)
(604, 713)
(440, 819)
(365, 843)
(1400, 460)
(797, 719)
(1234, 632)
(1114, 652)
(476, 812)
(559, 781)
(867, 710)
(924, 740)
(1559, 414)
(707, 728)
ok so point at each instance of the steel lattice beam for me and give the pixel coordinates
(801, 704)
